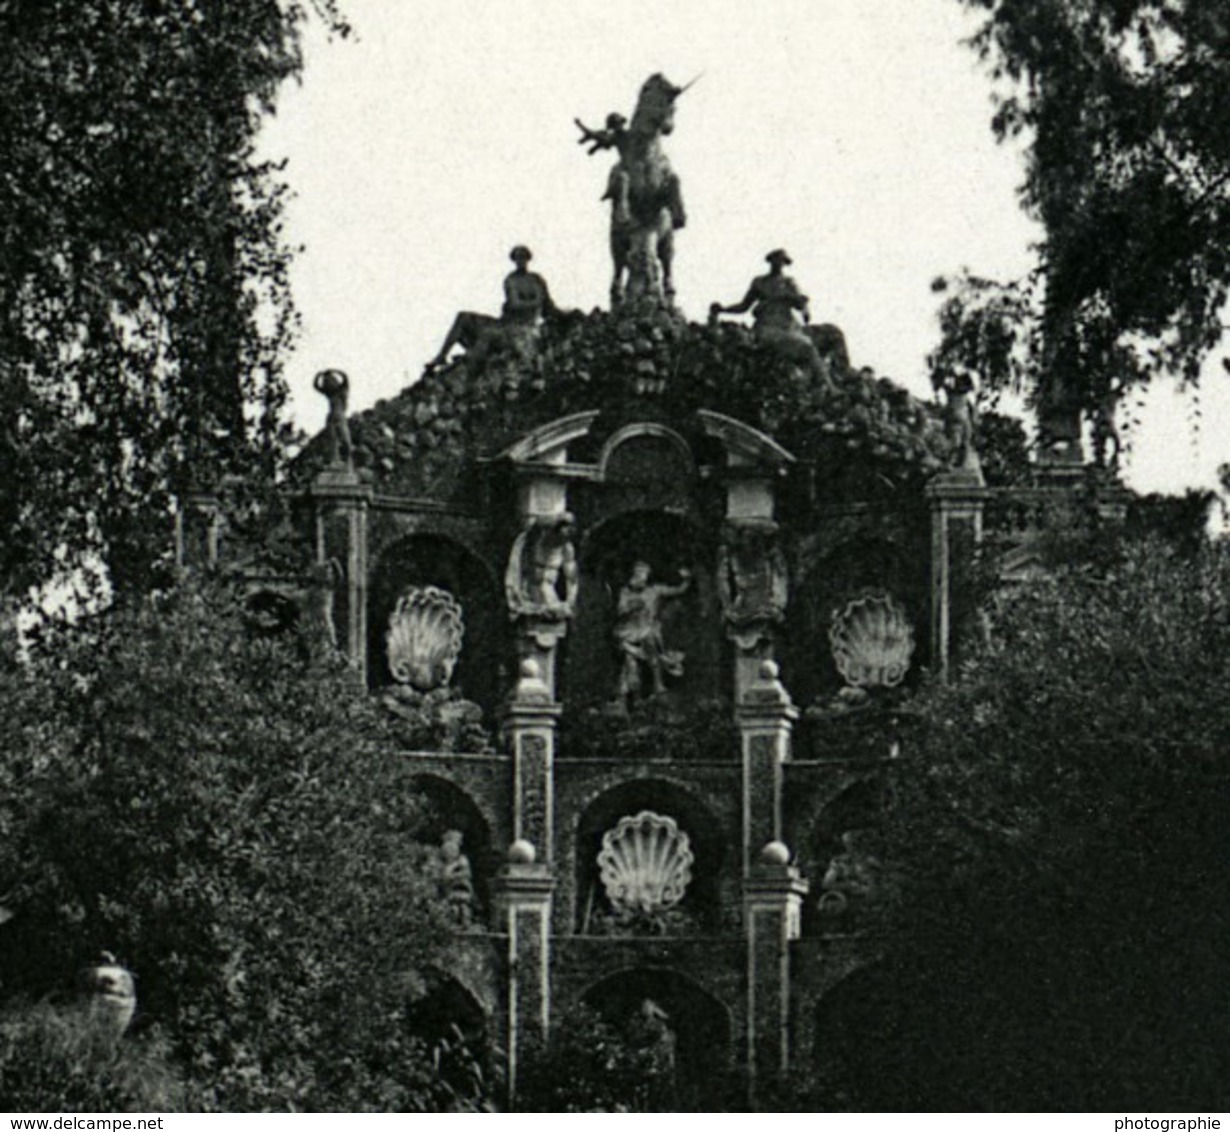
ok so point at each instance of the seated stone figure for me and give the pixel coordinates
(773, 299)
(527, 300)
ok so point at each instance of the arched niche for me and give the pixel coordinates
(449, 807)
(453, 1027)
(845, 829)
(437, 560)
(852, 569)
(699, 1026)
(699, 911)
(667, 542)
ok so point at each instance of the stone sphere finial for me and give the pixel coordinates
(775, 852)
(531, 687)
(522, 852)
(529, 670)
(769, 671)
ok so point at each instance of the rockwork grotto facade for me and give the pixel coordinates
(650, 597)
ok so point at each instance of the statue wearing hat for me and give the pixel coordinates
(527, 300)
(773, 299)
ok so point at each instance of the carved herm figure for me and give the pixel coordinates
(335, 386)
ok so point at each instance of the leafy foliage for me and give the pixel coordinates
(1060, 826)
(56, 1060)
(234, 827)
(143, 290)
(1128, 171)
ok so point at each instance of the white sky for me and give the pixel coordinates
(854, 133)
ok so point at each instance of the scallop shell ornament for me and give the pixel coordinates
(645, 863)
(872, 641)
(424, 638)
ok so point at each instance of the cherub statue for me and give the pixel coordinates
(638, 631)
(335, 386)
(773, 299)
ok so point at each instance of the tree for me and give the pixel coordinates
(1061, 835)
(144, 302)
(234, 827)
(1128, 171)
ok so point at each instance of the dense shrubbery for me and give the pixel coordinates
(1061, 830)
(232, 825)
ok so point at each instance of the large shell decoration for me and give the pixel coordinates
(872, 642)
(424, 638)
(645, 863)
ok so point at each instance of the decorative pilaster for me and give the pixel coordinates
(773, 894)
(957, 499)
(528, 722)
(523, 891)
(766, 720)
(341, 503)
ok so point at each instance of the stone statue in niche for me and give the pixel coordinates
(773, 299)
(424, 638)
(335, 386)
(850, 879)
(751, 581)
(456, 877)
(542, 576)
(527, 301)
(646, 202)
(638, 632)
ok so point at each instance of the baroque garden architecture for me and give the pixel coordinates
(648, 599)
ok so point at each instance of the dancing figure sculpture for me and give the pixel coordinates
(646, 203)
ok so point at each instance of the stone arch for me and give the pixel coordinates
(643, 451)
(434, 559)
(700, 909)
(667, 541)
(451, 807)
(702, 1026)
(860, 807)
(447, 1010)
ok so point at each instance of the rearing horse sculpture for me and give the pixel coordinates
(646, 204)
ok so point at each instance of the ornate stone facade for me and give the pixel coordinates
(688, 573)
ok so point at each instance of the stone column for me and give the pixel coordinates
(528, 725)
(773, 894)
(523, 891)
(766, 719)
(341, 502)
(956, 499)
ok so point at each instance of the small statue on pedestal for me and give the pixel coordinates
(960, 420)
(335, 386)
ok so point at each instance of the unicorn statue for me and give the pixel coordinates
(646, 204)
